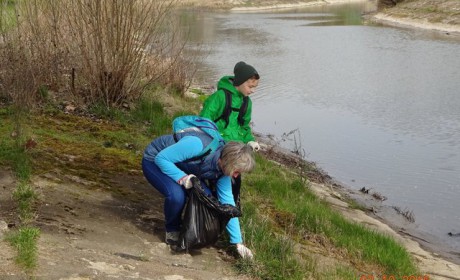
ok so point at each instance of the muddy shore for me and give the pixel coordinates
(434, 260)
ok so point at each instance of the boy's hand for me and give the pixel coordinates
(254, 145)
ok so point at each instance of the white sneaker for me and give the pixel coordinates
(172, 237)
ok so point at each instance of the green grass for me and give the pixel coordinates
(289, 208)
(13, 153)
(153, 113)
(25, 242)
(275, 257)
(7, 15)
(25, 196)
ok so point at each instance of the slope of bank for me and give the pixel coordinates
(100, 219)
(369, 212)
(439, 15)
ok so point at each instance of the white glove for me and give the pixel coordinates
(187, 181)
(244, 251)
(254, 145)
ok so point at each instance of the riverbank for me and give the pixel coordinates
(258, 5)
(440, 15)
(272, 5)
(433, 261)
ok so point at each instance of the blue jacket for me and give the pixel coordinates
(171, 158)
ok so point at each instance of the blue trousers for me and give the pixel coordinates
(175, 195)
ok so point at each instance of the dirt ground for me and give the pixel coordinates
(91, 231)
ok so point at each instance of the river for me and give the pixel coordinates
(374, 106)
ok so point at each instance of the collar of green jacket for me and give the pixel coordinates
(226, 82)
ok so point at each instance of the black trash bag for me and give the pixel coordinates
(204, 219)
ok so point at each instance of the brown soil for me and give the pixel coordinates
(94, 231)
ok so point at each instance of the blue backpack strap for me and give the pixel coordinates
(186, 124)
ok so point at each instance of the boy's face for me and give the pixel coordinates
(248, 87)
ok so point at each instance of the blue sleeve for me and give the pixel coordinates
(225, 196)
(185, 148)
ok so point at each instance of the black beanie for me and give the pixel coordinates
(243, 72)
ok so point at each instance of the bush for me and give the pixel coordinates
(95, 51)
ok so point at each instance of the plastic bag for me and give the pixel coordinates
(204, 219)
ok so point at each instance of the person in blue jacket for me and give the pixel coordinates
(169, 166)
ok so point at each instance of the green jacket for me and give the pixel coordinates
(213, 108)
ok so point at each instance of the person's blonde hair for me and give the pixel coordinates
(237, 156)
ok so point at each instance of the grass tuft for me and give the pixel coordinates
(25, 195)
(25, 241)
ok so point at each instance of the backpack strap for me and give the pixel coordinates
(228, 109)
(243, 109)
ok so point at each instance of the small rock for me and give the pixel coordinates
(3, 228)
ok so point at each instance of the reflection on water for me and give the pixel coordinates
(377, 107)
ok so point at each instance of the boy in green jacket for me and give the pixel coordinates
(233, 119)
(230, 108)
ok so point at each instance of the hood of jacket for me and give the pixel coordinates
(226, 82)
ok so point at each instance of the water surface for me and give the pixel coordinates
(375, 107)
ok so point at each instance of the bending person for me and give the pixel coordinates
(169, 166)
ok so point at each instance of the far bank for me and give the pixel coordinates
(440, 15)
